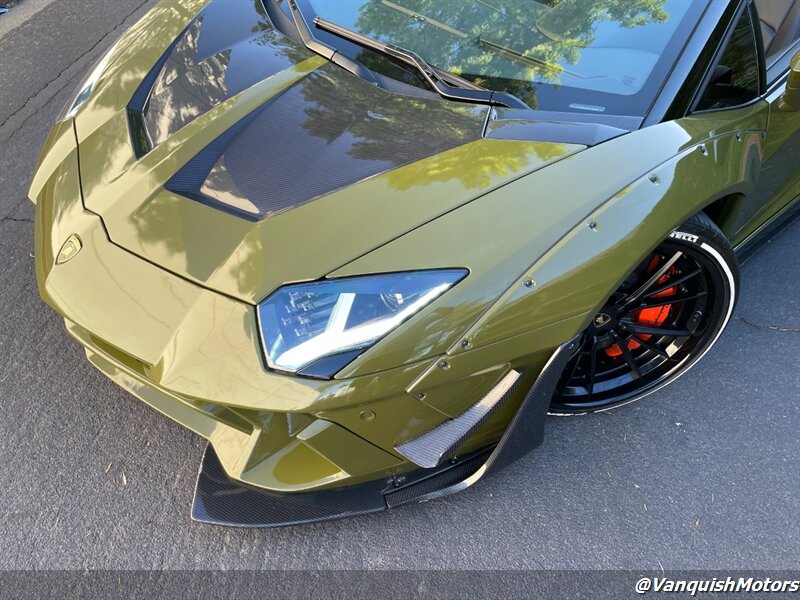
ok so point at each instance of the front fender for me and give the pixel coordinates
(572, 232)
(578, 274)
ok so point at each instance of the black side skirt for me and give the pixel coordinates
(768, 231)
(220, 500)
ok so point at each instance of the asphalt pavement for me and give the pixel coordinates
(702, 475)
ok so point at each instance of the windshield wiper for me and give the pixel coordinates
(436, 78)
(332, 54)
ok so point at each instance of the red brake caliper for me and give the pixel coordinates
(649, 317)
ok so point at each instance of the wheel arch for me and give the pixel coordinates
(724, 212)
(578, 274)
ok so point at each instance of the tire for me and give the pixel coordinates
(650, 333)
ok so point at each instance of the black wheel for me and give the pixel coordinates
(663, 318)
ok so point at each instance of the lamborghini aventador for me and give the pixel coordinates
(364, 247)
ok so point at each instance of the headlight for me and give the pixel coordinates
(84, 91)
(318, 328)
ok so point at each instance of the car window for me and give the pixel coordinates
(584, 56)
(734, 79)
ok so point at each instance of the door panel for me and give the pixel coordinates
(779, 182)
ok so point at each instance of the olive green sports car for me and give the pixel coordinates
(364, 247)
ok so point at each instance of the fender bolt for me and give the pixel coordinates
(444, 365)
(466, 344)
(592, 225)
(653, 178)
(421, 396)
(703, 150)
(528, 283)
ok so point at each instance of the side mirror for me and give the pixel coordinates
(790, 101)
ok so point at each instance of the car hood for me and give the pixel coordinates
(263, 164)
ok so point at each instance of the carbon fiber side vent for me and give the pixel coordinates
(432, 447)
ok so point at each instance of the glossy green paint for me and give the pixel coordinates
(547, 231)
(521, 222)
(779, 180)
(171, 231)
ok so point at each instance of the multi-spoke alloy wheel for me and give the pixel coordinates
(658, 323)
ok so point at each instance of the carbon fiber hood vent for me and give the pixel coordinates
(227, 48)
(329, 131)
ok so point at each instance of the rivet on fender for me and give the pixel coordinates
(70, 248)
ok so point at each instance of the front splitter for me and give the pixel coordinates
(220, 500)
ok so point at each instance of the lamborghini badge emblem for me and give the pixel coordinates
(70, 248)
(601, 320)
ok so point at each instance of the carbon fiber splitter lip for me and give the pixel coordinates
(220, 500)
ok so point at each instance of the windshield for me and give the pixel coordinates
(597, 56)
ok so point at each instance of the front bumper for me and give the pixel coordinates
(194, 355)
(221, 501)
